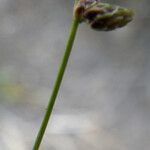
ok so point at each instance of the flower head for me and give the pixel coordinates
(102, 16)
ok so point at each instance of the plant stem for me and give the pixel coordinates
(57, 84)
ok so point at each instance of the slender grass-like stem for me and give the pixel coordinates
(57, 84)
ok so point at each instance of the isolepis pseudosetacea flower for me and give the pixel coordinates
(102, 16)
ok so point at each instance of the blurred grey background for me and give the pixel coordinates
(104, 100)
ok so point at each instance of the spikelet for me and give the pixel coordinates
(102, 16)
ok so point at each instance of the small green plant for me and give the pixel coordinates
(100, 16)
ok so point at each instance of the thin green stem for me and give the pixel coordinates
(57, 84)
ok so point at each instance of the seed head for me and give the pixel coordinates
(102, 16)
